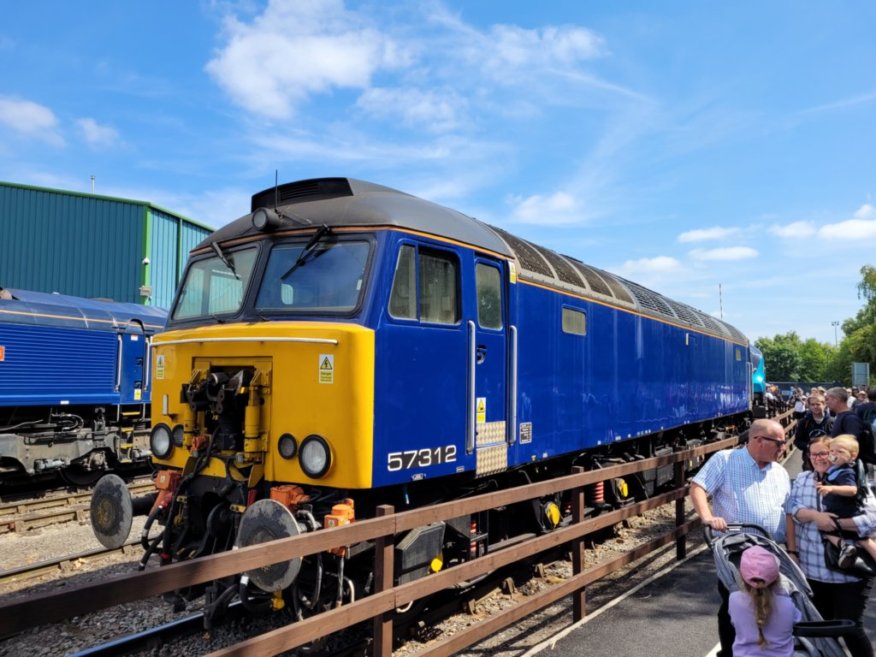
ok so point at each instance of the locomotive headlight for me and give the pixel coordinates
(315, 456)
(161, 441)
(287, 446)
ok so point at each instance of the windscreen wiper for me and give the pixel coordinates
(225, 261)
(307, 250)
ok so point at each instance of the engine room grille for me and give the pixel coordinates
(563, 269)
(527, 255)
(594, 280)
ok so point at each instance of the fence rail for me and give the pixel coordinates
(380, 606)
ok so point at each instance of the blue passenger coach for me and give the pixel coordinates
(346, 345)
(74, 384)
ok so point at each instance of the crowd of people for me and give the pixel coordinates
(825, 519)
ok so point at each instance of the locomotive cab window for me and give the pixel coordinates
(425, 286)
(488, 281)
(328, 277)
(574, 321)
(215, 286)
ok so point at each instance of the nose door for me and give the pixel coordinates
(488, 367)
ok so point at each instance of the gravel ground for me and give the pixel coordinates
(78, 633)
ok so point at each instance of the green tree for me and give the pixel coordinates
(781, 357)
(859, 344)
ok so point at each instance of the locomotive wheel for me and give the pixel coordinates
(112, 511)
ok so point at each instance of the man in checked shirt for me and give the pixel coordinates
(746, 485)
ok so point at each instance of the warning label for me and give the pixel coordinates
(159, 367)
(326, 368)
(482, 410)
(2, 353)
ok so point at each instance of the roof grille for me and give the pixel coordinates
(685, 312)
(316, 189)
(650, 300)
(527, 255)
(563, 269)
(593, 279)
(619, 290)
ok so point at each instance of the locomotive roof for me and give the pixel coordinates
(348, 202)
(28, 307)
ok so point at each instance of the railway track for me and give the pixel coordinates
(55, 509)
(66, 563)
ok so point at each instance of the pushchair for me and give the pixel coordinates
(814, 637)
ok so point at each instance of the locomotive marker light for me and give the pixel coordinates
(161, 441)
(316, 456)
(287, 446)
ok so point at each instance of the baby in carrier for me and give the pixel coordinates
(843, 496)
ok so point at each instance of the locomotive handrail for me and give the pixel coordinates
(46, 608)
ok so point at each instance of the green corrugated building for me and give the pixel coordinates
(87, 245)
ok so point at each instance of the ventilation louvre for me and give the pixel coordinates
(316, 189)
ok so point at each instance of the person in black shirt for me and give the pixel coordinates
(845, 421)
(815, 422)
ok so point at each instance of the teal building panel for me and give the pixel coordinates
(92, 246)
(69, 243)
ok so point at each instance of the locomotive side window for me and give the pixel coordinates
(489, 289)
(439, 302)
(403, 298)
(425, 286)
(214, 287)
(574, 321)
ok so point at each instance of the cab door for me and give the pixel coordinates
(488, 428)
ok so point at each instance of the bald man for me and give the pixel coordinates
(747, 485)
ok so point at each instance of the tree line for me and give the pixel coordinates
(789, 358)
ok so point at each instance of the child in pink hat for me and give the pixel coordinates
(763, 613)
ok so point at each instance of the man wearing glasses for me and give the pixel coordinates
(746, 485)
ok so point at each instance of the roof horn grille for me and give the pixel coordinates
(316, 189)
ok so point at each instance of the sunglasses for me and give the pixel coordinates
(775, 441)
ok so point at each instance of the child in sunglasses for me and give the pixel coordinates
(843, 496)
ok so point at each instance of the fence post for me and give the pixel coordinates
(681, 541)
(384, 569)
(579, 597)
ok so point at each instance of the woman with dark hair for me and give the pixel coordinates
(837, 594)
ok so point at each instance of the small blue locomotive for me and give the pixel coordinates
(74, 385)
(347, 345)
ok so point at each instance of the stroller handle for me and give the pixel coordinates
(711, 535)
(824, 628)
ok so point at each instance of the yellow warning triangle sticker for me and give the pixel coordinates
(326, 364)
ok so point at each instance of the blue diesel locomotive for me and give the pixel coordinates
(347, 345)
(74, 386)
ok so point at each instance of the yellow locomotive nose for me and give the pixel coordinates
(251, 390)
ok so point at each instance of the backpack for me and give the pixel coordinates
(866, 442)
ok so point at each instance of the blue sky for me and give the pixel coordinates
(682, 145)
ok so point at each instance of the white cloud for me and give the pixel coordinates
(558, 208)
(30, 120)
(851, 229)
(97, 135)
(436, 111)
(866, 211)
(794, 230)
(724, 254)
(704, 234)
(659, 264)
(294, 50)
(513, 47)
